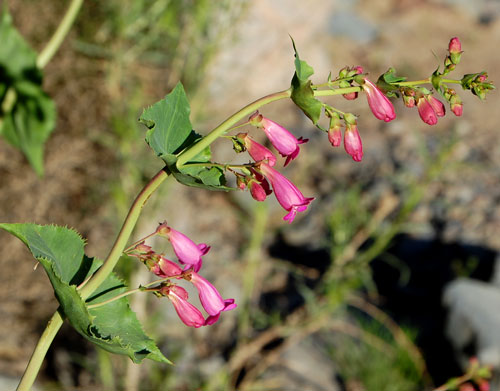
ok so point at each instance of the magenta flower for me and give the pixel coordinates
(380, 105)
(257, 191)
(352, 142)
(257, 151)
(284, 141)
(188, 252)
(210, 298)
(426, 111)
(429, 108)
(165, 268)
(188, 313)
(437, 105)
(229, 304)
(288, 196)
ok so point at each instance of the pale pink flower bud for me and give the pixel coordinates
(380, 105)
(188, 252)
(455, 49)
(334, 133)
(335, 136)
(165, 268)
(284, 141)
(257, 151)
(287, 194)
(484, 385)
(352, 142)
(188, 313)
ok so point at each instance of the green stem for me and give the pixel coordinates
(413, 83)
(117, 297)
(56, 322)
(121, 241)
(220, 130)
(62, 30)
(220, 165)
(46, 54)
(41, 349)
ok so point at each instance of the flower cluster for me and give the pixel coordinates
(258, 177)
(379, 104)
(261, 177)
(190, 255)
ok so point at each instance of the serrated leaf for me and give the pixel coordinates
(302, 92)
(32, 118)
(113, 326)
(170, 132)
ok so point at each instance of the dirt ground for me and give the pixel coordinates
(256, 59)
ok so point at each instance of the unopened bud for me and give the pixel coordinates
(455, 49)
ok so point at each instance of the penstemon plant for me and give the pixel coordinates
(94, 300)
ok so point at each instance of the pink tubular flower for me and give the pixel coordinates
(229, 304)
(426, 111)
(210, 298)
(352, 142)
(380, 105)
(437, 105)
(257, 191)
(257, 151)
(289, 197)
(429, 108)
(188, 313)
(284, 142)
(165, 268)
(188, 252)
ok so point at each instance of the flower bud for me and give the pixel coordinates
(352, 142)
(334, 130)
(455, 49)
(380, 105)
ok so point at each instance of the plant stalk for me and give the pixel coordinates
(58, 37)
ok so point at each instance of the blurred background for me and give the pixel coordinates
(388, 282)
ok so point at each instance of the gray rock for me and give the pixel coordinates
(474, 318)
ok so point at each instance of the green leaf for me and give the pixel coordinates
(113, 326)
(29, 124)
(168, 123)
(302, 92)
(31, 114)
(170, 132)
(390, 77)
(17, 58)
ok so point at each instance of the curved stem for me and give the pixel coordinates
(62, 30)
(188, 154)
(40, 351)
(56, 321)
(121, 241)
